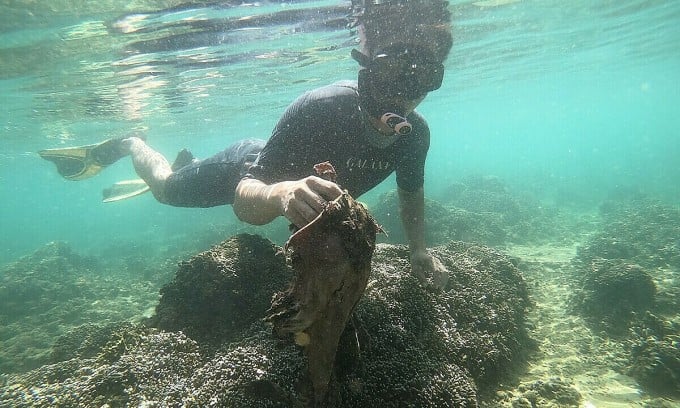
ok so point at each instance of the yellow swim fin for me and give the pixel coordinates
(81, 162)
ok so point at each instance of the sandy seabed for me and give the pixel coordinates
(566, 347)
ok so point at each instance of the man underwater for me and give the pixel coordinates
(367, 129)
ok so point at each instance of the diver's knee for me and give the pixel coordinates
(159, 191)
(133, 144)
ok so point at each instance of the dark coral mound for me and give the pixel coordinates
(626, 283)
(612, 292)
(220, 292)
(617, 267)
(417, 342)
(641, 230)
(655, 355)
(406, 346)
(477, 209)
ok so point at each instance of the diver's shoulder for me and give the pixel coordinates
(338, 89)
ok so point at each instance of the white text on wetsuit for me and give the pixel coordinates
(354, 163)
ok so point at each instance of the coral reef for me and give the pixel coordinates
(406, 346)
(655, 355)
(618, 269)
(40, 281)
(612, 292)
(641, 230)
(219, 292)
(626, 284)
(477, 209)
(444, 223)
(413, 342)
(47, 293)
(521, 217)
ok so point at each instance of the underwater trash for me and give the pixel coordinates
(331, 257)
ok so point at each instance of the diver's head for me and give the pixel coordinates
(400, 71)
(382, 24)
(403, 44)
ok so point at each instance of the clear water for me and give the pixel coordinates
(569, 99)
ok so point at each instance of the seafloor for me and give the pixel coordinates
(548, 306)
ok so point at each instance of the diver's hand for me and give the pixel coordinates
(424, 265)
(303, 200)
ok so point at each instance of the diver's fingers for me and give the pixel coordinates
(301, 204)
(305, 199)
(302, 214)
(324, 188)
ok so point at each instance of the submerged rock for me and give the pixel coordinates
(405, 346)
(218, 293)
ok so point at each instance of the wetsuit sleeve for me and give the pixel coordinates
(411, 168)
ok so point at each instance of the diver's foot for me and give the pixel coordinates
(110, 151)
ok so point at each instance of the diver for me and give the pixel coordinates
(367, 129)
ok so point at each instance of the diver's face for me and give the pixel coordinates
(402, 72)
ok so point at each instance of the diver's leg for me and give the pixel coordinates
(150, 165)
(212, 181)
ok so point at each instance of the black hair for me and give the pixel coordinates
(384, 23)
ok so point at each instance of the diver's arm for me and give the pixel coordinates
(412, 205)
(300, 201)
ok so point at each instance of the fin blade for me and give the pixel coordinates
(82, 162)
(123, 190)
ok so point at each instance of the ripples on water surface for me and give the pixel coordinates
(66, 64)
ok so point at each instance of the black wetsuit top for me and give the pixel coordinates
(325, 124)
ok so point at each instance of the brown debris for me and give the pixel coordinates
(331, 257)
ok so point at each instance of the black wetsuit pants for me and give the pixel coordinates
(213, 181)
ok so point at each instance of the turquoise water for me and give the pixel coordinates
(568, 100)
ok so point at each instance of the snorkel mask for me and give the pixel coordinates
(396, 72)
(401, 71)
